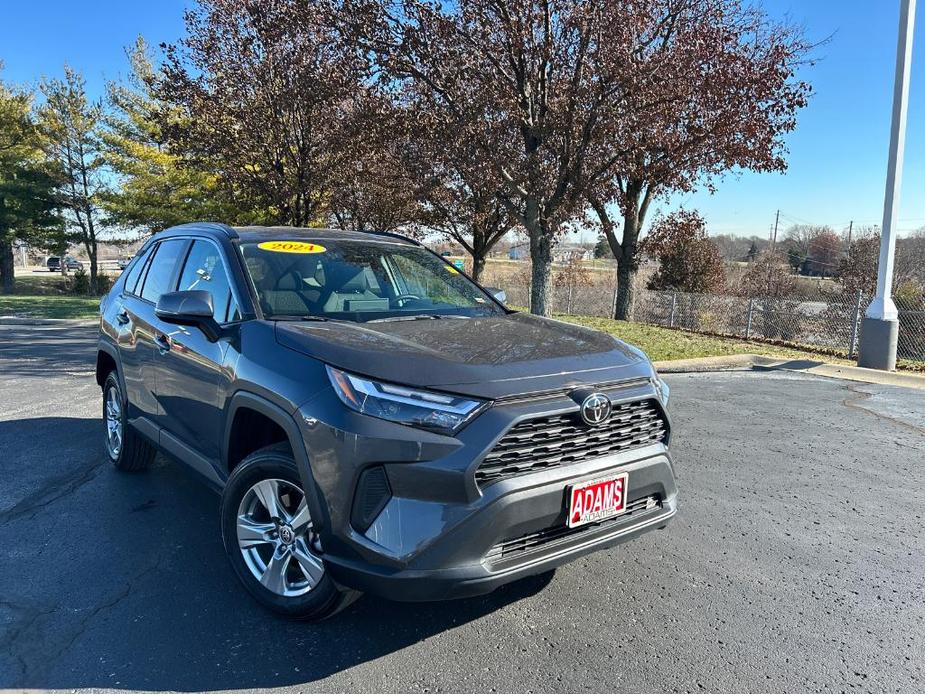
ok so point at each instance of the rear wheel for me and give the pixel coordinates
(125, 447)
(270, 539)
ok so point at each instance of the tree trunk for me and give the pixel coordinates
(627, 264)
(6, 266)
(94, 275)
(626, 278)
(540, 277)
(478, 264)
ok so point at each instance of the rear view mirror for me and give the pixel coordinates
(191, 307)
(499, 294)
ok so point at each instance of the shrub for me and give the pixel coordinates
(80, 282)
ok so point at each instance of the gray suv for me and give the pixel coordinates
(374, 420)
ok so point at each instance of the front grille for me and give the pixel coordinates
(545, 442)
(561, 533)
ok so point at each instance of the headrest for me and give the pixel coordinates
(288, 282)
(345, 277)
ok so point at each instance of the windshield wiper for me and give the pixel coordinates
(417, 316)
(392, 319)
(301, 318)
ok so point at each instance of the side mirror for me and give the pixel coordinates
(499, 294)
(192, 307)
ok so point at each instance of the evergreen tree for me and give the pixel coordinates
(159, 187)
(28, 207)
(70, 125)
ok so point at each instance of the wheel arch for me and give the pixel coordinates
(242, 402)
(107, 359)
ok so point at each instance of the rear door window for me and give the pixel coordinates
(162, 269)
(204, 270)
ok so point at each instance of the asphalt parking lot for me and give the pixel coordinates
(797, 562)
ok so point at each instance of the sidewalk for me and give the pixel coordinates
(817, 368)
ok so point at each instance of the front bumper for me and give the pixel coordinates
(442, 536)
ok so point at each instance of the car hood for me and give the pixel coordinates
(492, 357)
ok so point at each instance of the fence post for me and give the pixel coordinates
(568, 301)
(748, 319)
(854, 324)
(613, 301)
(674, 308)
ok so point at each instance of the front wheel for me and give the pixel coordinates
(270, 540)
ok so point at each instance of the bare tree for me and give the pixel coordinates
(71, 128)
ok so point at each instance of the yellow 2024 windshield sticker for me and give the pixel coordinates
(291, 247)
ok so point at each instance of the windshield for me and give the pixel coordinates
(360, 281)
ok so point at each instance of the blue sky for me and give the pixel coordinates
(837, 153)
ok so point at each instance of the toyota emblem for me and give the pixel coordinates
(595, 409)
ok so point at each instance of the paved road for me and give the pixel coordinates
(797, 563)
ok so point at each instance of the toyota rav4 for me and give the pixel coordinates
(374, 419)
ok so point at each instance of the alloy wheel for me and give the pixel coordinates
(114, 431)
(276, 538)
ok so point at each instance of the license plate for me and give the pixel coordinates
(591, 502)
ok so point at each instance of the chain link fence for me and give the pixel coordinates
(825, 319)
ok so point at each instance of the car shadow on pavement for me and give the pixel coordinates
(120, 580)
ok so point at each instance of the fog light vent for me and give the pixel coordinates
(372, 494)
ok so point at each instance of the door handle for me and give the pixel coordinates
(122, 318)
(163, 343)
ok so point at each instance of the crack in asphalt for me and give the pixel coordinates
(20, 642)
(30, 615)
(52, 490)
(854, 403)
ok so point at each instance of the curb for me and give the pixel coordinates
(62, 322)
(732, 362)
(757, 362)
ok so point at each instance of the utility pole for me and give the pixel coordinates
(881, 321)
(848, 251)
(773, 249)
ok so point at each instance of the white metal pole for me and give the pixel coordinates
(882, 307)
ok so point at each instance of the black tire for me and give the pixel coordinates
(322, 600)
(135, 452)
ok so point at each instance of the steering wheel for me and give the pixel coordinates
(401, 298)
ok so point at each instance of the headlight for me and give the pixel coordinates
(438, 412)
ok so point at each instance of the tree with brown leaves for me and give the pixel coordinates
(713, 90)
(688, 260)
(269, 100)
(529, 87)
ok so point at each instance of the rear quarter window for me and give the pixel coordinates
(134, 271)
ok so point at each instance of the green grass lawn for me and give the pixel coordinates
(36, 283)
(48, 306)
(664, 344)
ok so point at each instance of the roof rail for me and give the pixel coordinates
(215, 226)
(395, 235)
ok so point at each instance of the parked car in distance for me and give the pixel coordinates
(373, 419)
(53, 263)
(123, 262)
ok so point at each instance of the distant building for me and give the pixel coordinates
(567, 252)
(517, 253)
